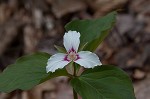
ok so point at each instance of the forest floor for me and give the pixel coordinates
(27, 26)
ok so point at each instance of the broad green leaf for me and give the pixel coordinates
(103, 82)
(27, 72)
(92, 31)
(60, 49)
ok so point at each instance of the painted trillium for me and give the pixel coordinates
(71, 42)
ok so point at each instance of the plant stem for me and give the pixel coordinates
(74, 74)
(75, 94)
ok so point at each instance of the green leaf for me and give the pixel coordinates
(103, 82)
(27, 72)
(60, 49)
(92, 31)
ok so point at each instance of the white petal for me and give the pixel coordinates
(55, 62)
(72, 40)
(88, 59)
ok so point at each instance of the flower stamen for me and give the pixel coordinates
(72, 56)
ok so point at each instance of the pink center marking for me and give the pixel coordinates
(72, 55)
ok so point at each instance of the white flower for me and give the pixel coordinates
(71, 41)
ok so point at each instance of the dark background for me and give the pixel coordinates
(27, 26)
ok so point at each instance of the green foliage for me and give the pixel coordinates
(60, 49)
(92, 31)
(27, 72)
(103, 82)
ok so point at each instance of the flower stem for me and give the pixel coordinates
(74, 74)
(75, 94)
